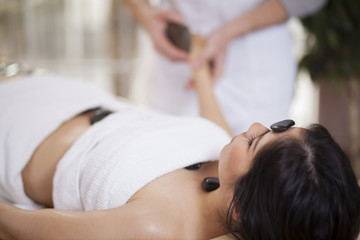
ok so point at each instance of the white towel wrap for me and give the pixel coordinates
(119, 155)
(30, 109)
(112, 160)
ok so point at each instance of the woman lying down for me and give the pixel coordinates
(86, 165)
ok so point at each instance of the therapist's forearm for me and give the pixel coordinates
(267, 13)
(141, 10)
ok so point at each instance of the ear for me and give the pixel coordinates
(236, 212)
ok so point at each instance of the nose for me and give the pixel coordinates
(256, 129)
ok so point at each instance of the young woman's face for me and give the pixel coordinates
(237, 156)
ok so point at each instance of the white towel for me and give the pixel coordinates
(119, 155)
(112, 160)
(30, 109)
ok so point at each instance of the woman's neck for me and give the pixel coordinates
(212, 220)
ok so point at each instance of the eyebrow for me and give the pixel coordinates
(259, 138)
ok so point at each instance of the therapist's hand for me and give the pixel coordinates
(155, 21)
(214, 52)
(265, 14)
(155, 25)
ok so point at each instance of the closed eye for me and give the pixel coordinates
(251, 140)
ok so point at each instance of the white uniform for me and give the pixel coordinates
(258, 81)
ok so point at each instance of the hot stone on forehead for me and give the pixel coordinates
(282, 125)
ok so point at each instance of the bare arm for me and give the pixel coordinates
(123, 222)
(209, 107)
(51, 224)
(141, 10)
(266, 14)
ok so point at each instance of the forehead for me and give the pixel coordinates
(271, 136)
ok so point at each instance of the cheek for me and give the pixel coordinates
(234, 161)
(240, 163)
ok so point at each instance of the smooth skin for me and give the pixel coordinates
(171, 206)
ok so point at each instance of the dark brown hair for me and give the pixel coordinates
(297, 188)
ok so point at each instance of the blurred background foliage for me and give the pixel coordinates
(333, 56)
(334, 41)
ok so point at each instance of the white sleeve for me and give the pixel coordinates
(302, 8)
